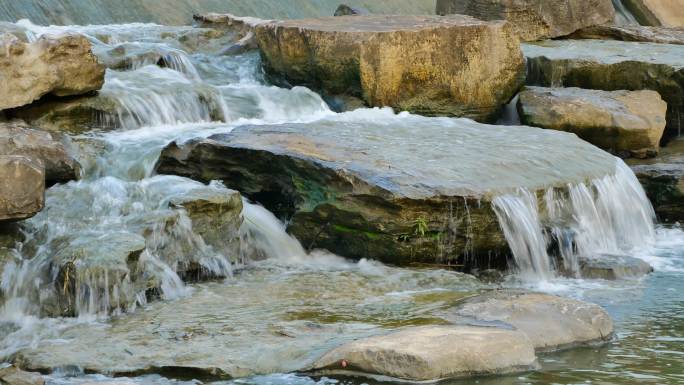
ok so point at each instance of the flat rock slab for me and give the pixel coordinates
(549, 321)
(612, 267)
(22, 187)
(663, 35)
(610, 66)
(455, 65)
(61, 65)
(535, 19)
(627, 123)
(399, 188)
(433, 353)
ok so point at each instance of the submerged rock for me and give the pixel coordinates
(433, 353)
(610, 66)
(535, 19)
(22, 187)
(400, 189)
(549, 321)
(627, 123)
(413, 63)
(638, 33)
(61, 65)
(668, 13)
(60, 166)
(612, 267)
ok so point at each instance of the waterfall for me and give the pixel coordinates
(610, 215)
(622, 15)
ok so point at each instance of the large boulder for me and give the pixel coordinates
(627, 123)
(611, 66)
(60, 165)
(535, 19)
(549, 321)
(398, 188)
(454, 66)
(61, 65)
(433, 353)
(22, 187)
(663, 35)
(667, 13)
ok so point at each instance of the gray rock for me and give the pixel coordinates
(345, 10)
(639, 33)
(22, 187)
(612, 267)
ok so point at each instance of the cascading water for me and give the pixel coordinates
(622, 15)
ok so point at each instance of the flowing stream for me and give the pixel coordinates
(285, 307)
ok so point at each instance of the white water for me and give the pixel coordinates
(622, 15)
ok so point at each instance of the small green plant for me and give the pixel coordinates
(420, 227)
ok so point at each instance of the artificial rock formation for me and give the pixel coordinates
(666, 13)
(455, 65)
(433, 353)
(610, 66)
(389, 187)
(627, 123)
(22, 187)
(535, 19)
(61, 65)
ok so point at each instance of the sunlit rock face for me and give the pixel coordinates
(667, 13)
(535, 19)
(61, 65)
(613, 65)
(626, 123)
(453, 66)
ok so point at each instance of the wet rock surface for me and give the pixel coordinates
(22, 187)
(60, 165)
(668, 13)
(396, 199)
(612, 267)
(535, 19)
(432, 353)
(345, 10)
(610, 66)
(637, 33)
(550, 322)
(627, 123)
(60, 65)
(413, 63)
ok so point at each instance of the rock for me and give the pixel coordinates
(667, 13)
(628, 123)
(549, 321)
(345, 10)
(663, 181)
(60, 166)
(61, 65)
(22, 187)
(11, 375)
(610, 66)
(413, 63)
(612, 267)
(535, 19)
(389, 187)
(72, 115)
(663, 35)
(433, 353)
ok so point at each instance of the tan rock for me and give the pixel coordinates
(455, 65)
(623, 122)
(549, 321)
(58, 65)
(664, 35)
(11, 375)
(60, 166)
(535, 19)
(666, 13)
(22, 187)
(432, 353)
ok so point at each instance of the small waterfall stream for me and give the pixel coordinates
(622, 15)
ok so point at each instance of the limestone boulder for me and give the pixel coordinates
(612, 267)
(433, 353)
(639, 33)
(60, 165)
(22, 187)
(535, 19)
(61, 65)
(454, 65)
(610, 66)
(627, 123)
(667, 13)
(371, 184)
(550, 322)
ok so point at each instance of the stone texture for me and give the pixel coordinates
(455, 65)
(663, 35)
(60, 165)
(667, 13)
(549, 321)
(11, 375)
(612, 267)
(74, 115)
(345, 10)
(610, 66)
(627, 123)
(389, 187)
(433, 353)
(61, 65)
(22, 187)
(535, 19)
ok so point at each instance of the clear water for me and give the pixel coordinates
(269, 318)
